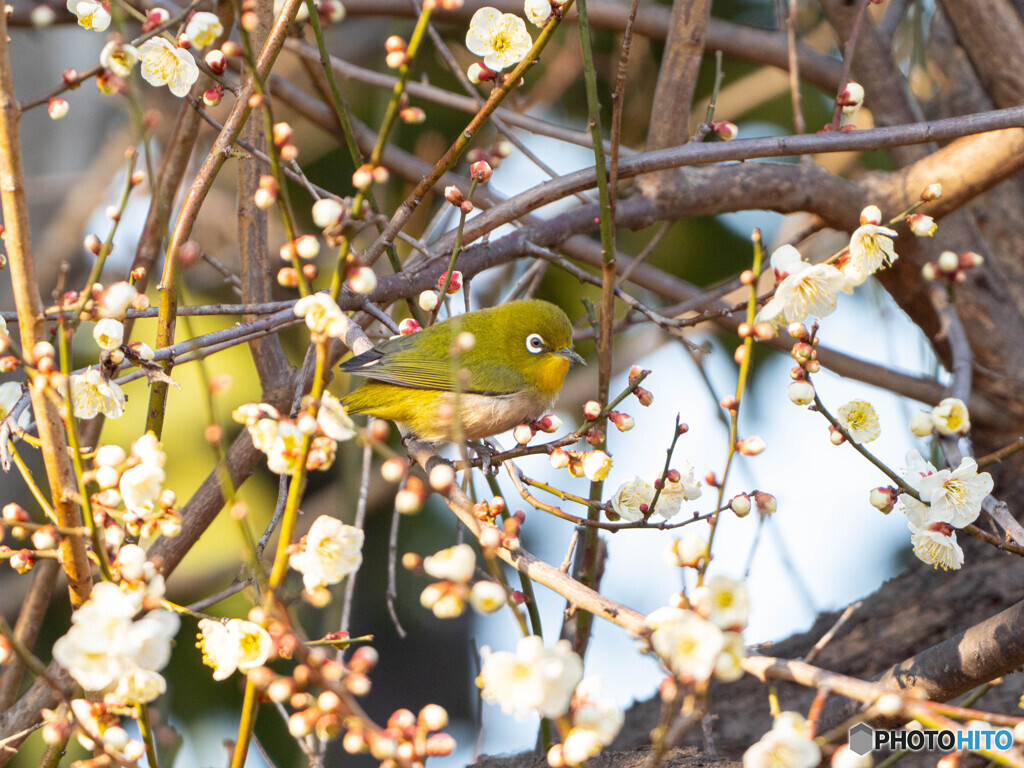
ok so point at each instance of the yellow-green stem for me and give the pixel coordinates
(734, 412)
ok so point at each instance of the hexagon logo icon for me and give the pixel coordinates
(861, 738)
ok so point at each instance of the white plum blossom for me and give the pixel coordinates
(501, 38)
(322, 314)
(117, 299)
(936, 544)
(235, 644)
(688, 551)
(787, 745)
(333, 420)
(533, 679)
(596, 722)
(91, 15)
(723, 602)
(105, 649)
(675, 492)
(108, 333)
(629, 496)
(688, 644)
(149, 450)
(537, 11)
(10, 394)
(140, 489)
(203, 28)
(284, 451)
(119, 58)
(453, 564)
(950, 417)
(955, 496)
(804, 289)
(871, 248)
(729, 667)
(92, 394)
(859, 419)
(487, 596)
(164, 63)
(332, 551)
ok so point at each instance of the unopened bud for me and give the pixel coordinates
(932, 192)
(750, 446)
(57, 108)
(883, 499)
(725, 130)
(871, 215)
(740, 505)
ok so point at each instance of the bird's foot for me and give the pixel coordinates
(485, 451)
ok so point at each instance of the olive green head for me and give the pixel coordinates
(536, 341)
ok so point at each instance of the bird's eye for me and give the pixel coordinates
(534, 343)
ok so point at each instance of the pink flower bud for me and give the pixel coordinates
(750, 446)
(478, 73)
(932, 192)
(970, 260)
(412, 115)
(454, 285)
(454, 195)
(766, 503)
(216, 61)
(395, 59)
(644, 396)
(725, 130)
(363, 280)
(622, 421)
(380, 174)
(835, 436)
(213, 96)
(591, 410)
(395, 43)
(408, 326)
(481, 171)
(57, 108)
(883, 499)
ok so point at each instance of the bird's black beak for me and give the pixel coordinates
(570, 354)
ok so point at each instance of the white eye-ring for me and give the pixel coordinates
(534, 343)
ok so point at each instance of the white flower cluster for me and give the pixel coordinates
(106, 651)
(136, 480)
(632, 500)
(329, 552)
(455, 568)
(810, 290)
(281, 438)
(950, 499)
(322, 315)
(705, 639)
(533, 679)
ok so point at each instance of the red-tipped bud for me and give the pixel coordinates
(481, 171)
(408, 326)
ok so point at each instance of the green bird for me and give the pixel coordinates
(516, 364)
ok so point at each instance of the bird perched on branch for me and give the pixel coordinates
(496, 368)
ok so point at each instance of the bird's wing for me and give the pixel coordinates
(397, 363)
